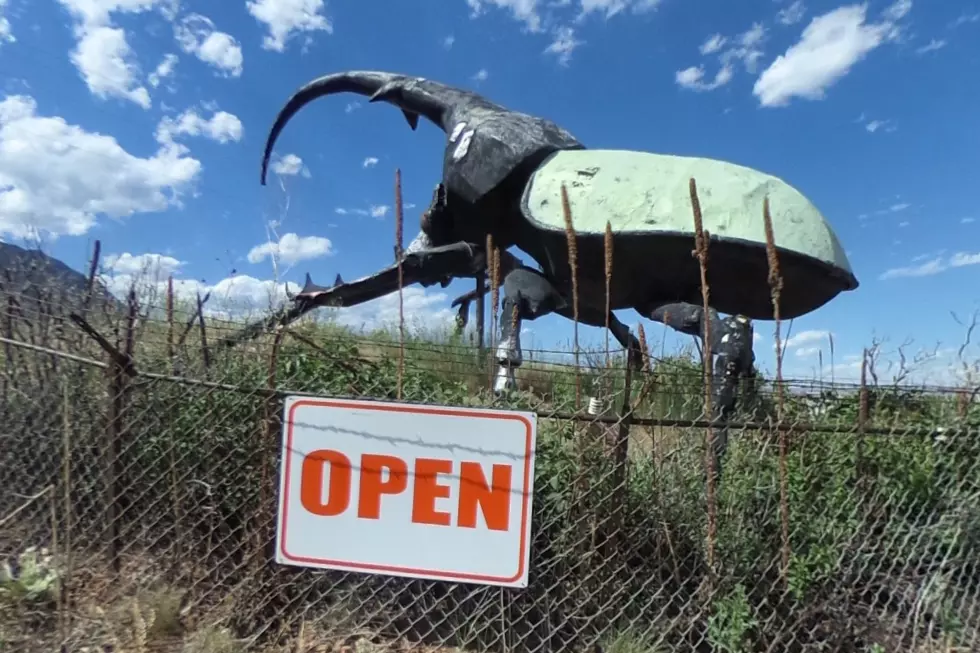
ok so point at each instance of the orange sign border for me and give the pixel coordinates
(402, 408)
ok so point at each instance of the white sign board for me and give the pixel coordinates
(407, 490)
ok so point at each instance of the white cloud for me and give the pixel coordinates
(609, 8)
(931, 46)
(99, 12)
(374, 211)
(965, 19)
(967, 220)
(807, 352)
(222, 126)
(286, 18)
(56, 178)
(102, 54)
(159, 265)
(827, 50)
(197, 35)
(291, 249)
(713, 44)
(525, 11)
(289, 165)
(6, 35)
(563, 45)
(897, 10)
(960, 259)
(164, 70)
(873, 126)
(792, 14)
(370, 161)
(745, 47)
(933, 266)
(421, 308)
(808, 338)
(448, 41)
(481, 75)
(693, 78)
(108, 65)
(237, 295)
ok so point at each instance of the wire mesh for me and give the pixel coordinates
(139, 503)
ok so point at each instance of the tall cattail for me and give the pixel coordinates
(775, 288)
(607, 251)
(494, 295)
(399, 243)
(573, 268)
(701, 239)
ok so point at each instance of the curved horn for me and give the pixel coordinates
(413, 96)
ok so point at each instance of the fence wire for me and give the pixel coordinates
(139, 503)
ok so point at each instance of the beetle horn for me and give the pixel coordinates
(414, 96)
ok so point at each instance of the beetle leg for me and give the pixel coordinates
(528, 295)
(425, 266)
(508, 262)
(731, 347)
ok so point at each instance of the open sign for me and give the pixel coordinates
(407, 490)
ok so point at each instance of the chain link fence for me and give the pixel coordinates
(139, 471)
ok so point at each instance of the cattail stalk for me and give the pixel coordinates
(776, 288)
(701, 238)
(607, 251)
(399, 244)
(573, 269)
(493, 259)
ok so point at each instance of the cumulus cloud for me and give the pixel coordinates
(196, 34)
(291, 249)
(102, 53)
(108, 65)
(56, 178)
(827, 50)
(156, 265)
(284, 19)
(222, 127)
(481, 75)
(422, 308)
(289, 165)
(235, 296)
(370, 161)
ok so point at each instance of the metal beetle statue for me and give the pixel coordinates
(503, 172)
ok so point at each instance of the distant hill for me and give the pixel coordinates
(34, 274)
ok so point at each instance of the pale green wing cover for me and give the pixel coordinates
(649, 193)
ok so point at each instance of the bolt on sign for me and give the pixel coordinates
(407, 490)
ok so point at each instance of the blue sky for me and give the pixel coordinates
(141, 123)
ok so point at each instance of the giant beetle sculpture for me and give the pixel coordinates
(503, 174)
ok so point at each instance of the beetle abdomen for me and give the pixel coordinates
(646, 199)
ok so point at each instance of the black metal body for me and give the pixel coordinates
(491, 154)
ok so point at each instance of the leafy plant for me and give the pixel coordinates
(34, 578)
